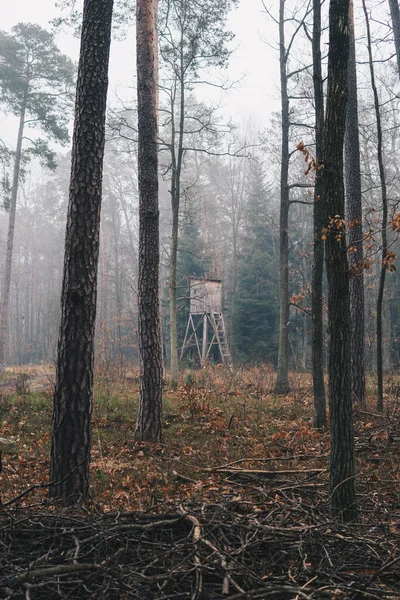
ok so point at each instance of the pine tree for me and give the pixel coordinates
(148, 426)
(35, 78)
(70, 450)
(191, 262)
(257, 314)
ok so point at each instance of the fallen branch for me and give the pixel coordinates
(17, 580)
(197, 562)
(262, 471)
(271, 458)
(370, 414)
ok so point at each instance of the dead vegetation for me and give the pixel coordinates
(232, 504)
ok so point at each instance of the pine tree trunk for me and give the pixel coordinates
(318, 264)
(150, 344)
(70, 452)
(282, 380)
(342, 488)
(384, 246)
(355, 220)
(395, 14)
(6, 282)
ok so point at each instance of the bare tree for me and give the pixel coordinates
(192, 38)
(395, 14)
(285, 48)
(342, 486)
(355, 220)
(384, 245)
(282, 380)
(318, 262)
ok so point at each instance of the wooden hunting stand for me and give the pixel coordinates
(206, 326)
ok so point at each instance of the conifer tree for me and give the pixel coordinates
(256, 315)
(70, 450)
(35, 82)
(148, 427)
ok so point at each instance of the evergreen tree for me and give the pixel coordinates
(148, 427)
(35, 78)
(191, 262)
(70, 449)
(257, 313)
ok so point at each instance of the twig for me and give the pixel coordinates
(37, 486)
(197, 562)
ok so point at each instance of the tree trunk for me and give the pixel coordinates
(173, 296)
(355, 220)
(70, 452)
(342, 488)
(282, 380)
(382, 178)
(387, 329)
(115, 218)
(150, 344)
(175, 202)
(395, 14)
(6, 282)
(318, 264)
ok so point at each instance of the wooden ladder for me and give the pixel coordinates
(218, 325)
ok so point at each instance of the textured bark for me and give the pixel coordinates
(342, 486)
(382, 179)
(150, 345)
(318, 264)
(70, 450)
(395, 14)
(282, 380)
(355, 220)
(6, 282)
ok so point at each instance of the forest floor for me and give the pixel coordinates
(232, 504)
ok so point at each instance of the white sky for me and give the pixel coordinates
(256, 95)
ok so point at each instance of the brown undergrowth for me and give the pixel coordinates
(244, 466)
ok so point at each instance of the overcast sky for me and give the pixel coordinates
(257, 94)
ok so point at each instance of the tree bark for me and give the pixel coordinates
(175, 203)
(342, 488)
(70, 452)
(282, 380)
(318, 264)
(148, 426)
(173, 332)
(384, 246)
(395, 14)
(6, 282)
(355, 220)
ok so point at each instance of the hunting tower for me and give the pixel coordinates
(205, 328)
